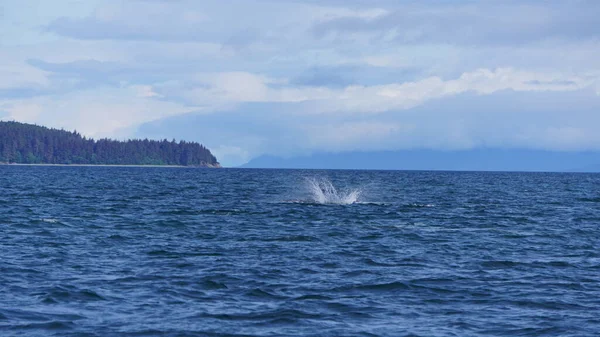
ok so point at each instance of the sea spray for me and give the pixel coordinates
(323, 192)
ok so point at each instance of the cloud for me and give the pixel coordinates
(503, 119)
(338, 76)
(105, 110)
(221, 91)
(23, 92)
(361, 135)
(231, 154)
(97, 113)
(134, 20)
(277, 40)
(14, 74)
(470, 23)
(182, 21)
(354, 73)
(302, 76)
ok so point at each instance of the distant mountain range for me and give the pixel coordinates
(464, 160)
(32, 144)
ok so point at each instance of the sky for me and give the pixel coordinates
(290, 77)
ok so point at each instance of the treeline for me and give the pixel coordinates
(32, 144)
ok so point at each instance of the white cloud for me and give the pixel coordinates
(352, 135)
(96, 113)
(469, 23)
(231, 154)
(16, 74)
(578, 137)
(27, 112)
(145, 91)
(223, 88)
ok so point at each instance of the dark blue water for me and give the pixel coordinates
(93, 251)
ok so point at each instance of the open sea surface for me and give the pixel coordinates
(114, 251)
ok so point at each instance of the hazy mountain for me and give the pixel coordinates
(467, 160)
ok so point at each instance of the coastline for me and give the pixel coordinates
(111, 165)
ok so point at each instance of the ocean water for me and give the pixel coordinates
(107, 251)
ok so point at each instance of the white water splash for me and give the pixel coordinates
(323, 192)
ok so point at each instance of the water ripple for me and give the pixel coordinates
(93, 251)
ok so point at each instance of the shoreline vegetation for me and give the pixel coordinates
(28, 144)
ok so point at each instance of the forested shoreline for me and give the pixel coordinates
(22, 143)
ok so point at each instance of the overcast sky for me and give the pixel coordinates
(287, 77)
